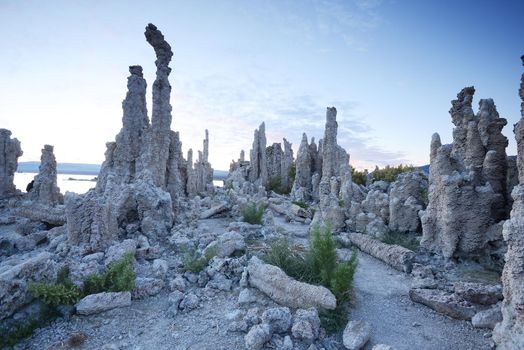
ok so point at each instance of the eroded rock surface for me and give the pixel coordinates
(10, 151)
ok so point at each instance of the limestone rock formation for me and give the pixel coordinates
(45, 189)
(336, 174)
(302, 186)
(286, 291)
(468, 184)
(10, 151)
(509, 334)
(142, 178)
(406, 199)
(258, 172)
(203, 170)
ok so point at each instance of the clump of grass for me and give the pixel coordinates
(194, 261)
(76, 339)
(118, 277)
(318, 266)
(405, 240)
(252, 213)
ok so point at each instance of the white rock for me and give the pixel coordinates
(96, 303)
(356, 334)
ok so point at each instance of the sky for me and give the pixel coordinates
(390, 67)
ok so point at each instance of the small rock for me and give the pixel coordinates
(306, 325)
(383, 347)
(251, 317)
(279, 318)
(257, 336)
(175, 298)
(287, 344)
(356, 334)
(189, 302)
(119, 250)
(178, 283)
(145, 286)
(160, 268)
(487, 318)
(246, 296)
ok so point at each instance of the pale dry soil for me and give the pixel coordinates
(380, 296)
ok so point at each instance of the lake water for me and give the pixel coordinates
(63, 180)
(66, 184)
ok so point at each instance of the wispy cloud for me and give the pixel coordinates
(232, 108)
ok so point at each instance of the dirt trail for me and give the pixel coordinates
(381, 298)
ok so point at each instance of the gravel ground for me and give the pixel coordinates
(380, 297)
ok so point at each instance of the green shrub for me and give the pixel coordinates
(252, 213)
(55, 294)
(405, 240)
(318, 266)
(62, 292)
(194, 261)
(323, 255)
(359, 177)
(390, 173)
(119, 277)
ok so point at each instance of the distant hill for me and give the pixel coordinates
(62, 168)
(85, 169)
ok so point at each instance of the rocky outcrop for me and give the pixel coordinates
(45, 189)
(467, 184)
(203, 170)
(356, 334)
(15, 274)
(141, 180)
(302, 186)
(286, 291)
(336, 173)
(286, 164)
(258, 172)
(406, 198)
(10, 151)
(444, 302)
(509, 334)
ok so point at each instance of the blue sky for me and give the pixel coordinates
(390, 67)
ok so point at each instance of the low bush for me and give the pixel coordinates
(318, 266)
(62, 292)
(253, 213)
(194, 261)
(390, 173)
(119, 277)
(359, 177)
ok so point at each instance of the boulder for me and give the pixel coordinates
(487, 318)
(356, 334)
(96, 303)
(444, 302)
(257, 336)
(272, 281)
(398, 257)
